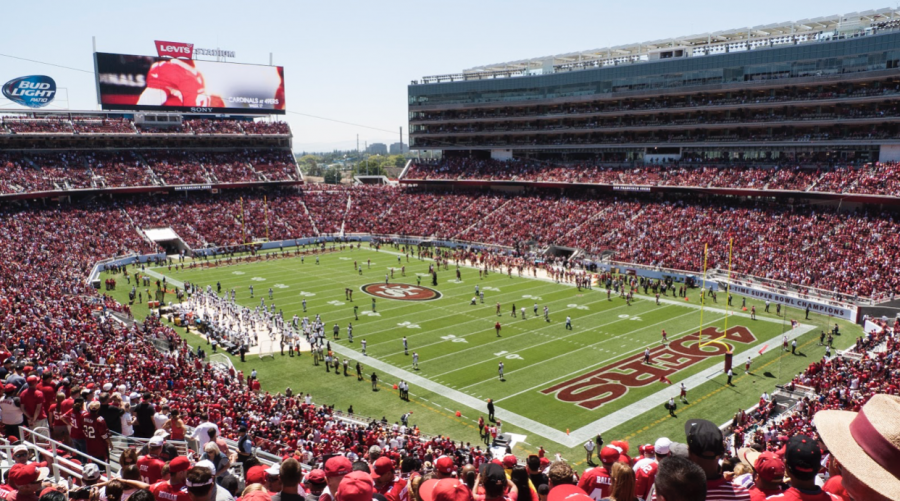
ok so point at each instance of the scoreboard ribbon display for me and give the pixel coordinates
(126, 82)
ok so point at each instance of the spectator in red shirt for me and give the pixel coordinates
(96, 433)
(26, 480)
(173, 489)
(151, 465)
(33, 403)
(597, 482)
(768, 473)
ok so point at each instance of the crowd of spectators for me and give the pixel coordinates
(869, 179)
(75, 169)
(120, 169)
(50, 249)
(100, 124)
(36, 126)
(266, 127)
(274, 165)
(206, 126)
(176, 167)
(103, 125)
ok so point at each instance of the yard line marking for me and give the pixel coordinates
(618, 355)
(593, 344)
(554, 339)
(634, 410)
(506, 338)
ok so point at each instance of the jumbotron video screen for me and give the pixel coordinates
(129, 82)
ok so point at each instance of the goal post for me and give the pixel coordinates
(717, 340)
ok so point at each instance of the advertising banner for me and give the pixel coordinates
(175, 49)
(34, 91)
(815, 306)
(128, 82)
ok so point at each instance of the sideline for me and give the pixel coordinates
(578, 436)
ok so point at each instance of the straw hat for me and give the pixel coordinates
(866, 443)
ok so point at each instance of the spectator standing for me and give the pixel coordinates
(706, 446)
(144, 411)
(290, 482)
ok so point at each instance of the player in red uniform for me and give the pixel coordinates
(96, 433)
(665, 338)
(176, 82)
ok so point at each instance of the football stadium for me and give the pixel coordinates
(659, 270)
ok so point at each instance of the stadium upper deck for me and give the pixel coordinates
(54, 154)
(823, 86)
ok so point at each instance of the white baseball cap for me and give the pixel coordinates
(662, 445)
(156, 441)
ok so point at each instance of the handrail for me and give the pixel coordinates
(60, 463)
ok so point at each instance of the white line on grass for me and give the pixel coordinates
(649, 402)
(619, 355)
(560, 338)
(588, 346)
(499, 340)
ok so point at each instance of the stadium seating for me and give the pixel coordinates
(60, 244)
(870, 179)
(98, 124)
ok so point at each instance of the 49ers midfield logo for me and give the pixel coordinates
(402, 292)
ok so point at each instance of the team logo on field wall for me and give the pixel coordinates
(403, 292)
(601, 386)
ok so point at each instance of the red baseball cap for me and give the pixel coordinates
(445, 489)
(256, 475)
(32, 379)
(568, 492)
(24, 474)
(444, 464)
(356, 486)
(609, 455)
(337, 466)
(383, 465)
(509, 461)
(769, 467)
(9, 388)
(179, 464)
(316, 476)
(545, 462)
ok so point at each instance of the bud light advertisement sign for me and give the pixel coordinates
(35, 91)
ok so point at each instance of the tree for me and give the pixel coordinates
(399, 160)
(332, 176)
(309, 165)
(374, 166)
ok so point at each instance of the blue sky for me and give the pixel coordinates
(352, 61)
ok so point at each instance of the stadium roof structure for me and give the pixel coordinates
(819, 29)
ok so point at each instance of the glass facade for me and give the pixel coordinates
(866, 53)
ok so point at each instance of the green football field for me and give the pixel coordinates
(561, 386)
